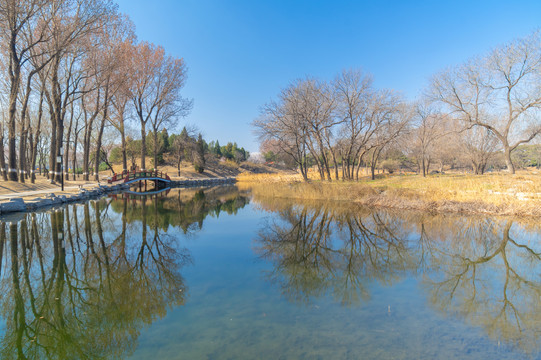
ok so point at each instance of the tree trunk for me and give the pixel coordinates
(15, 78)
(303, 173)
(3, 159)
(30, 162)
(74, 156)
(474, 168)
(22, 145)
(100, 131)
(67, 151)
(375, 158)
(34, 155)
(58, 136)
(335, 164)
(55, 102)
(86, 153)
(358, 170)
(59, 143)
(326, 164)
(143, 146)
(25, 125)
(361, 155)
(123, 140)
(319, 167)
(302, 167)
(155, 135)
(97, 160)
(508, 161)
(52, 154)
(88, 135)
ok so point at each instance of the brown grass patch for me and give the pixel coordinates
(495, 194)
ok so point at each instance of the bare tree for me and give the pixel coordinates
(120, 112)
(170, 78)
(392, 118)
(77, 128)
(281, 123)
(316, 110)
(314, 122)
(112, 37)
(428, 127)
(354, 92)
(146, 88)
(22, 29)
(479, 146)
(118, 120)
(76, 20)
(35, 136)
(499, 92)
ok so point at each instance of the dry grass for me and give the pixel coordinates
(269, 178)
(496, 189)
(500, 194)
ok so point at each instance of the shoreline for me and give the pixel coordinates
(400, 195)
(369, 194)
(15, 203)
(448, 206)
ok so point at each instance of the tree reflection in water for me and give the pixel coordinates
(316, 250)
(488, 274)
(185, 209)
(81, 282)
(482, 270)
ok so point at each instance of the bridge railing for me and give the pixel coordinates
(141, 174)
(138, 174)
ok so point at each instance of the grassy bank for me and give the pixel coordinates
(495, 194)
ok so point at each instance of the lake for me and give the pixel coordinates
(216, 273)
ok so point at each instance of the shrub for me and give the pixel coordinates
(199, 168)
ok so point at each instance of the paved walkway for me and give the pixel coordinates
(44, 191)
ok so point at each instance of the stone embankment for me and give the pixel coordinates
(51, 199)
(16, 204)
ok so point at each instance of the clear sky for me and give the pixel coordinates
(240, 53)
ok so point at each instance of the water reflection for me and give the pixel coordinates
(316, 250)
(483, 271)
(185, 209)
(488, 274)
(81, 282)
(84, 281)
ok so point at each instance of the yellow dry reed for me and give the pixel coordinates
(501, 193)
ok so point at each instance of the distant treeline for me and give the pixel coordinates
(176, 148)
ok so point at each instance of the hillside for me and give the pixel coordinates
(214, 168)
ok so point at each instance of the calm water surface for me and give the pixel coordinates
(216, 274)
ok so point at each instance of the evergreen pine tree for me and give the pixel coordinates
(199, 154)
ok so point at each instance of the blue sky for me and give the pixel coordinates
(240, 53)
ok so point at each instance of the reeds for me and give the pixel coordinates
(503, 194)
